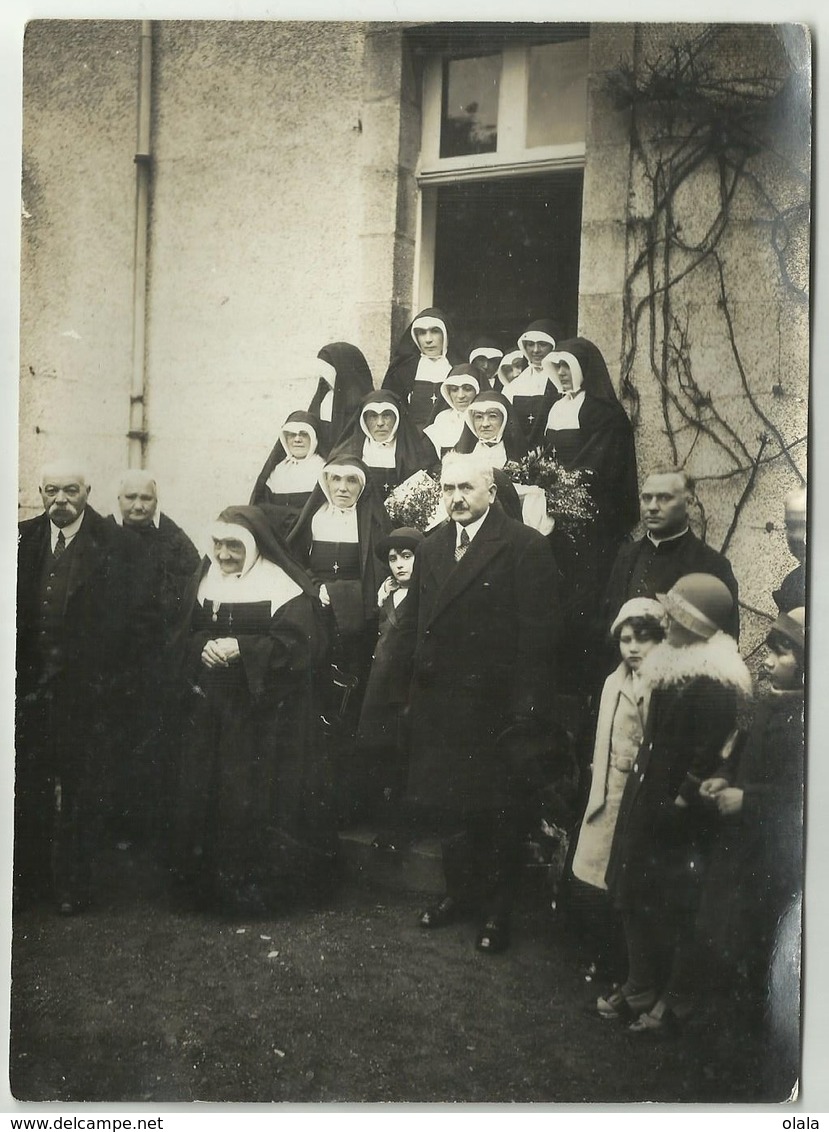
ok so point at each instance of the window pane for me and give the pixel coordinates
(469, 122)
(557, 93)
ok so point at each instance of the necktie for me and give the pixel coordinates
(60, 545)
(463, 545)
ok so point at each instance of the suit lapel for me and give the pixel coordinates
(488, 542)
(33, 549)
(84, 555)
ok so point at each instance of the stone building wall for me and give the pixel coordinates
(717, 373)
(284, 214)
(281, 218)
(79, 131)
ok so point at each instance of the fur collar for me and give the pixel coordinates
(716, 659)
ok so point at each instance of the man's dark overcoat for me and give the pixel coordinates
(482, 664)
(72, 700)
(106, 616)
(657, 568)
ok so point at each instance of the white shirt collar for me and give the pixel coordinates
(470, 528)
(668, 538)
(69, 531)
(119, 518)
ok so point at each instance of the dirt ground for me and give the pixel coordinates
(346, 1001)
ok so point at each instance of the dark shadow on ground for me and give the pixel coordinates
(345, 1001)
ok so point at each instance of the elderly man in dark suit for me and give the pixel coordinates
(668, 551)
(483, 594)
(81, 620)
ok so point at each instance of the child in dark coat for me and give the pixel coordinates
(662, 835)
(380, 733)
(756, 872)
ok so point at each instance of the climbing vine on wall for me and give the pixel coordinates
(698, 111)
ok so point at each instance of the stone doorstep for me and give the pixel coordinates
(417, 867)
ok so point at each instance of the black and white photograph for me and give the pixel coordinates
(412, 621)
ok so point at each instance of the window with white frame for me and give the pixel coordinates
(517, 110)
(504, 112)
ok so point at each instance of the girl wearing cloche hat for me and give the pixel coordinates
(661, 842)
(638, 628)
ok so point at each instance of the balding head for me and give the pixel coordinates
(795, 523)
(469, 463)
(468, 486)
(64, 467)
(64, 490)
(137, 498)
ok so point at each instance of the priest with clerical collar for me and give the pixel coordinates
(668, 550)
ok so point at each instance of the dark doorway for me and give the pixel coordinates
(507, 253)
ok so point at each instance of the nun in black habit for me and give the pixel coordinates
(344, 379)
(485, 356)
(531, 391)
(492, 426)
(538, 340)
(335, 537)
(382, 436)
(457, 392)
(588, 430)
(292, 469)
(511, 366)
(424, 356)
(255, 821)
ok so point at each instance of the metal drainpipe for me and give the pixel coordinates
(143, 160)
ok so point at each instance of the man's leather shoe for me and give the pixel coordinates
(494, 935)
(440, 914)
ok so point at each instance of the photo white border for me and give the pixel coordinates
(14, 14)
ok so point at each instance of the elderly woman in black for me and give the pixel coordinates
(255, 820)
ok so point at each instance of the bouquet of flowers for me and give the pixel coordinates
(569, 500)
(417, 502)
